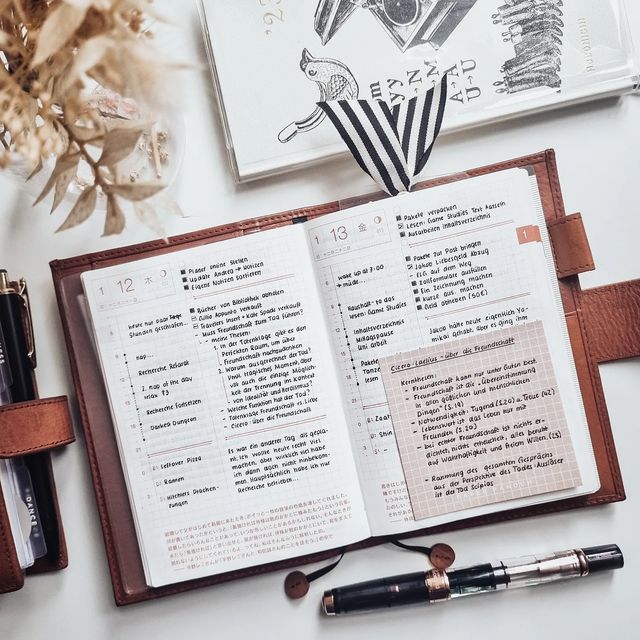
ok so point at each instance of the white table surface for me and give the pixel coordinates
(598, 150)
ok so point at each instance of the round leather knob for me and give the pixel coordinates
(296, 585)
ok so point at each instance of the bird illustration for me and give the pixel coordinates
(334, 81)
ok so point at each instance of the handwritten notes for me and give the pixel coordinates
(479, 420)
(226, 406)
(260, 402)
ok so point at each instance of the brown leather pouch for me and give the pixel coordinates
(603, 325)
(26, 429)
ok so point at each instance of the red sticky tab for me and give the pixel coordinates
(530, 233)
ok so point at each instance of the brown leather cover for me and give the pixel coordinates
(117, 524)
(612, 315)
(26, 428)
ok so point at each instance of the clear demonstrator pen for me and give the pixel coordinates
(439, 585)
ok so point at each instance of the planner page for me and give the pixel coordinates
(422, 273)
(226, 406)
(479, 420)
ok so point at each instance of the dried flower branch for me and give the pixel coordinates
(50, 50)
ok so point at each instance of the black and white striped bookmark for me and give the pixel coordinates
(392, 144)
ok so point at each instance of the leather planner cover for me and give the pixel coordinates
(602, 325)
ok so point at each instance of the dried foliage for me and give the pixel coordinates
(50, 51)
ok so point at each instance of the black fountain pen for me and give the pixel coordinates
(15, 320)
(440, 586)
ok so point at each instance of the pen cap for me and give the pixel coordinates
(604, 558)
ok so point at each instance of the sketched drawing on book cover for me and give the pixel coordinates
(409, 23)
(534, 27)
(335, 82)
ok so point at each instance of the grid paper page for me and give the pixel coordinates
(479, 420)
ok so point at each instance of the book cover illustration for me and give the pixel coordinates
(408, 23)
(533, 27)
(502, 58)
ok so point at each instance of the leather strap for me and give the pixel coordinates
(30, 427)
(612, 319)
(570, 246)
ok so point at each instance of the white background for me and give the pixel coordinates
(598, 150)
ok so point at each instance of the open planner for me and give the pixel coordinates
(395, 366)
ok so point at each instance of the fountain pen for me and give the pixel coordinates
(439, 585)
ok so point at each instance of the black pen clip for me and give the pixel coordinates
(23, 292)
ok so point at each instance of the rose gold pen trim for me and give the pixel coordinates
(328, 605)
(437, 583)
